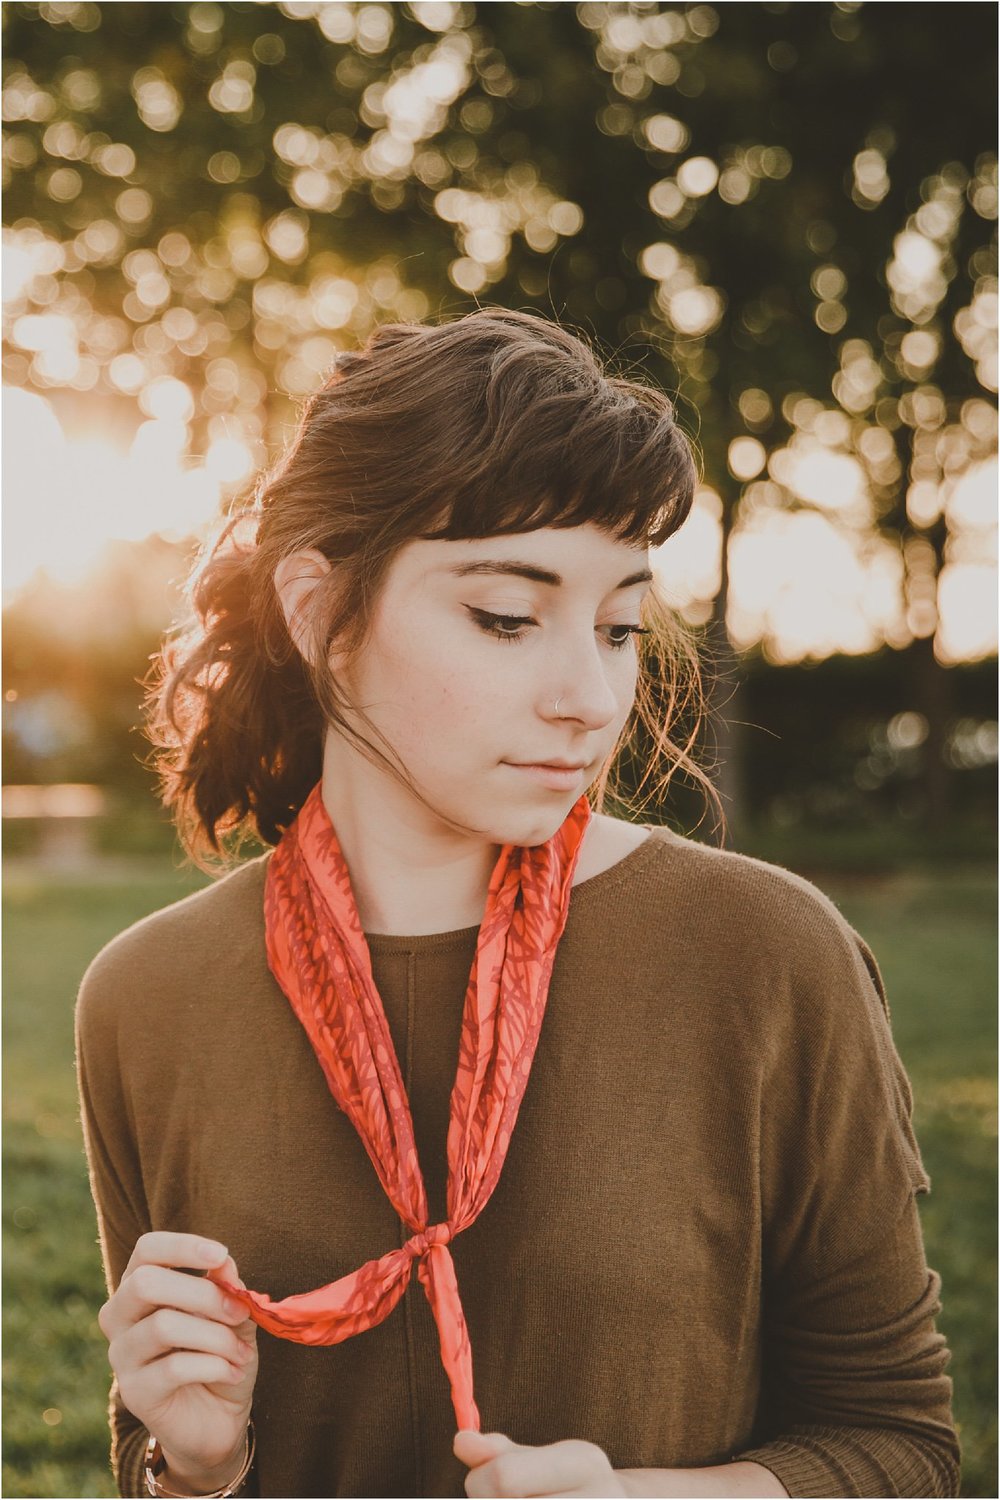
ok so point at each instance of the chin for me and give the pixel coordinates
(527, 830)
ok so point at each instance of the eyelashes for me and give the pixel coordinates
(501, 627)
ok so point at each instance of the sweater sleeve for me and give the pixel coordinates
(116, 1185)
(855, 1400)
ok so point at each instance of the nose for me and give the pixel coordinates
(584, 692)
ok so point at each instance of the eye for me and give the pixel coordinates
(630, 630)
(511, 627)
(503, 627)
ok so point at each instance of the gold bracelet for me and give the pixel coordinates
(156, 1463)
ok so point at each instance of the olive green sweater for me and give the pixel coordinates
(704, 1244)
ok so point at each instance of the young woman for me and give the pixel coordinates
(628, 1104)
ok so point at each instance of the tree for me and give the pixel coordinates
(215, 198)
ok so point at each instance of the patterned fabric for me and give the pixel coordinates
(318, 953)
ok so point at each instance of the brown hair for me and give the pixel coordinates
(494, 423)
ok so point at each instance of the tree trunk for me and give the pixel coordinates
(724, 702)
(929, 682)
(931, 688)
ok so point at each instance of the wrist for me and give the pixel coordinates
(188, 1481)
(177, 1476)
(738, 1478)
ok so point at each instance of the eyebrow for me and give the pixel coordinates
(536, 575)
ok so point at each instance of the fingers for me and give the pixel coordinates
(166, 1330)
(166, 1247)
(151, 1384)
(152, 1287)
(155, 1277)
(226, 1277)
(503, 1467)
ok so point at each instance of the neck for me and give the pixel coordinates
(410, 874)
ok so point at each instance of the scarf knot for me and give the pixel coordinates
(426, 1239)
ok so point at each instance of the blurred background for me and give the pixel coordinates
(784, 214)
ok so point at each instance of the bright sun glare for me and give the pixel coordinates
(67, 500)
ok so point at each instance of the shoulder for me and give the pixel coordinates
(202, 937)
(798, 992)
(764, 935)
(758, 900)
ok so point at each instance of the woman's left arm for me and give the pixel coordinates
(855, 1392)
(499, 1466)
(735, 1479)
(858, 1396)
(855, 1399)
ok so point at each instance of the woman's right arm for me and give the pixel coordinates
(174, 1345)
(184, 1357)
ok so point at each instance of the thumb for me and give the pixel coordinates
(227, 1276)
(478, 1447)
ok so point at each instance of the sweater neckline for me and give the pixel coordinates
(384, 943)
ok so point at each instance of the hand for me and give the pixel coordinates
(498, 1466)
(185, 1355)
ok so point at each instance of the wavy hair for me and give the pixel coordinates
(493, 423)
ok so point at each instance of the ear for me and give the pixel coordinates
(295, 578)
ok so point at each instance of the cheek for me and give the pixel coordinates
(443, 734)
(435, 699)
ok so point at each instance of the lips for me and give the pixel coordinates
(557, 778)
(553, 765)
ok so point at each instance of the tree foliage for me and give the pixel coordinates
(784, 213)
(225, 194)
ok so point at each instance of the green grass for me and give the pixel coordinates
(932, 931)
(55, 1369)
(933, 935)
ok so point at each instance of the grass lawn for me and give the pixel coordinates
(934, 936)
(933, 932)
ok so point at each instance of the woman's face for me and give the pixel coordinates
(462, 707)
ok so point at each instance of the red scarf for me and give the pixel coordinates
(317, 951)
